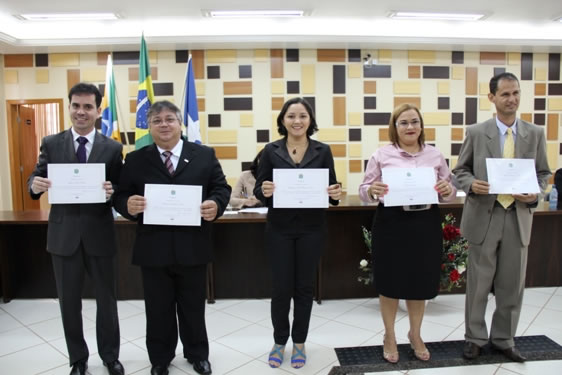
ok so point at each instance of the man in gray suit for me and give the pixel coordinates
(81, 237)
(498, 233)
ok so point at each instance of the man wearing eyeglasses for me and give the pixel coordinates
(497, 227)
(173, 258)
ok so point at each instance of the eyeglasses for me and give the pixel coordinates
(415, 123)
(167, 120)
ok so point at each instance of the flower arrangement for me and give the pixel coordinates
(453, 261)
(365, 264)
(454, 256)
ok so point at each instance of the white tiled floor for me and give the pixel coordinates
(32, 342)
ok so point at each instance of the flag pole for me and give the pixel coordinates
(183, 102)
(119, 115)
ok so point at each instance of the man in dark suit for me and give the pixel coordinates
(81, 237)
(497, 227)
(173, 259)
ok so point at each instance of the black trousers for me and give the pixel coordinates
(293, 256)
(69, 276)
(172, 295)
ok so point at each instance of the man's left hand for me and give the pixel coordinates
(108, 187)
(209, 210)
(526, 198)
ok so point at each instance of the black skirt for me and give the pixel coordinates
(406, 253)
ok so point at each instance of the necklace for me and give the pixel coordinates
(294, 152)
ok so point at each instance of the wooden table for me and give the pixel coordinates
(240, 268)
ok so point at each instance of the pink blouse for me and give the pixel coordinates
(391, 156)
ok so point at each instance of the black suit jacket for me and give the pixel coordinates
(164, 245)
(275, 155)
(71, 223)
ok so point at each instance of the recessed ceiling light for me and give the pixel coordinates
(252, 13)
(68, 16)
(435, 16)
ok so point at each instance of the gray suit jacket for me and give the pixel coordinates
(483, 141)
(71, 223)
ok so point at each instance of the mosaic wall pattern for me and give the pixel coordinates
(240, 93)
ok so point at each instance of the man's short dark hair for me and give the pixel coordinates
(161, 105)
(498, 77)
(85, 88)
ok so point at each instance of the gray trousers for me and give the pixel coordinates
(500, 261)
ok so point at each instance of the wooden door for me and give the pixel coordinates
(28, 151)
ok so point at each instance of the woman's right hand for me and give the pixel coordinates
(378, 189)
(267, 188)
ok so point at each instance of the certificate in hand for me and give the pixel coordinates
(173, 204)
(409, 186)
(301, 188)
(512, 176)
(76, 183)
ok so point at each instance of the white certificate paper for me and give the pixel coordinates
(512, 176)
(76, 183)
(300, 188)
(173, 204)
(409, 186)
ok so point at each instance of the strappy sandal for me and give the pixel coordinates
(276, 356)
(422, 355)
(391, 357)
(298, 359)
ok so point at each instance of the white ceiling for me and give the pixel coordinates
(516, 25)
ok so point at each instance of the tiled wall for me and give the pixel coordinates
(240, 93)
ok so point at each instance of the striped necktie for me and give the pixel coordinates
(509, 153)
(168, 162)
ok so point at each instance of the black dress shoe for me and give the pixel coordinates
(115, 367)
(512, 353)
(79, 368)
(159, 370)
(201, 367)
(470, 350)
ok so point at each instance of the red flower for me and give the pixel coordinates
(450, 232)
(454, 275)
(451, 256)
(443, 266)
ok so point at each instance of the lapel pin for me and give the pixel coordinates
(187, 161)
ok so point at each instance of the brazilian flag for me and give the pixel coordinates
(145, 98)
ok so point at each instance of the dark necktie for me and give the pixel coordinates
(81, 151)
(168, 162)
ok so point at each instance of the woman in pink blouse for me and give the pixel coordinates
(407, 240)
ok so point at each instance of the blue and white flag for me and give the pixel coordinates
(190, 111)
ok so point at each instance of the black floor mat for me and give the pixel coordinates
(361, 359)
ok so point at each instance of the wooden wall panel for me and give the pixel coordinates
(18, 61)
(277, 63)
(552, 126)
(198, 62)
(339, 111)
(415, 100)
(492, 58)
(72, 77)
(330, 55)
(471, 83)
(226, 152)
(237, 88)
